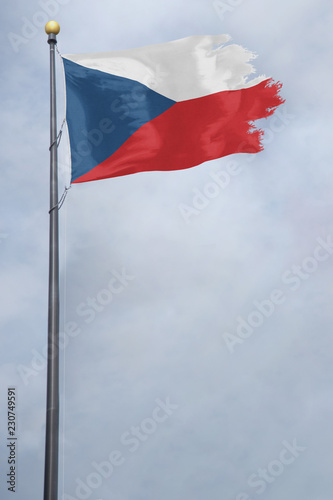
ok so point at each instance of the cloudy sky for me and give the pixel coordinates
(196, 361)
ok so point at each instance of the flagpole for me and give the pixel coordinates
(52, 397)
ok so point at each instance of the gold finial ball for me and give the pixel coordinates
(52, 27)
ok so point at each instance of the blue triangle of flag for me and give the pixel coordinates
(109, 110)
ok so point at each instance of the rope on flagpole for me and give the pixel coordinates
(62, 200)
(58, 139)
(63, 197)
(64, 194)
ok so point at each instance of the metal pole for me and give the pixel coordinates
(52, 403)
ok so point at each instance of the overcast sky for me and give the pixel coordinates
(196, 360)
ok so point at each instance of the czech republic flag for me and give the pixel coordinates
(163, 107)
